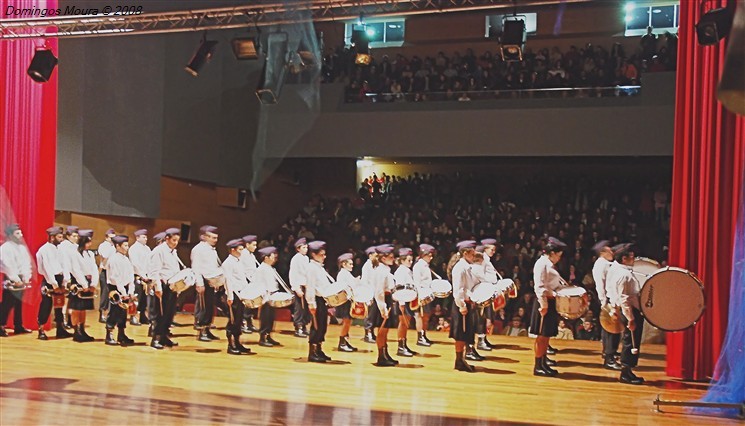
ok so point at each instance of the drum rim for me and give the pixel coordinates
(648, 259)
(696, 280)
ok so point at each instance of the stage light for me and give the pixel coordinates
(513, 39)
(714, 25)
(629, 6)
(203, 54)
(361, 45)
(245, 48)
(42, 65)
(370, 32)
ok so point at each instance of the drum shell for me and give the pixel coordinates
(405, 293)
(483, 298)
(426, 296)
(216, 282)
(280, 302)
(683, 300)
(572, 306)
(442, 289)
(338, 298)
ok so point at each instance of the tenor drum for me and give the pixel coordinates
(644, 268)
(216, 282)
(252, 296)
(499, 301)
(404, 293)
(362, 297)
(426, 296)
(183, 279)
(507, 287)
(280, 299)
(572, 302)
(672, 299)
(336, 294)
(441, 288)
(483, 294)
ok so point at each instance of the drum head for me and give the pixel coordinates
(441, 285)
(672, 299)
(571, 291)
(646, 266)
(404, 296)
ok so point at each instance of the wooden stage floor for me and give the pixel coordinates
(65, 383)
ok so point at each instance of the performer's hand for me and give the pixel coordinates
(464, 310)
(200, 289)
(230, 303)
(299, 293)
(632, 325)
(159, 294)
(543, 311)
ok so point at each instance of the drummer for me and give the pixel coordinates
(384, 284)
(605, 295)
(488, 274)
(206, 264)
(423, 281)
(367, 279)
(477, 269)
(463, 319)
(317, 280)
(544, 322)
(403, 276)
(297, 275)
(627, 288)
(250, 264)
(235, 281)
(266, 278)
(346, 264)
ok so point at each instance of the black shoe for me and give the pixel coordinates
(472, 355)
(369, 337)
(344, 345)
(427, 338)
(102, 316)
(246, 330)
(611, 364)
(203, 337)
(547, 366)
(254, 329)
(110, 339)
(299, 332)
(61, 332)
(76, 336)
(482, 345)
(549, 362)
(169, 343)
(539, 369)
(42, 334)
(488, 343)
(233, 350)
(240, 346)
(155, 344)
(143, 319)
(403, 350)
(388, 356)
(461, 365)
(628, 377)
(551, 350)
(272, 341)
(21, 330)
(322, 353)
(210, 335)
(123, 339)
(3, 333)
(383, 361)
(421, 341)
(264, 342)
(86, 336)
(313, 354)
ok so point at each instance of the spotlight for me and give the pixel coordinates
(714, 25)
(42, 65)
(513, 39)
(203, 54)
(362, 46)
(245, 48)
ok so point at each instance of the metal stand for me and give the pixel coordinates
(720, 405)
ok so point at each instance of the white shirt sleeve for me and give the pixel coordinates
(299, 269)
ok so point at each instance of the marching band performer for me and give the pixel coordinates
(235, 281)
(83, 300)
(298, 272)
(423, 280)
(544, 320)
(164, 264)
(627, 288)
(490, 275)
(250, 264)
(403, 275)
(139, 255)
(54, 282)
(205, 264)
(605, 294)
(71, 260)
(346, 264)
(366, 276)
(17, 271)
(463, 320)
(317, 279)
(476, 267)
(384, 284)
(266, 278)
(105, 250)
(121, 276)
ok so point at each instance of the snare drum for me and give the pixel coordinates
(216, 282)
(572, 302)
(482, 294)
(499, 301)
(362, 297)
(280, 299)
(644, 268)
(426, 296)
(507, 287)
(441, 288)
(404, 293)
(252, 296)
(672, 299)
(183, 279)
(336, 294)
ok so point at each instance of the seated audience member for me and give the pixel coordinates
(565, 332)
(587, 330)
(516, 328)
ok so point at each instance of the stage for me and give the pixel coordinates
(63, 382)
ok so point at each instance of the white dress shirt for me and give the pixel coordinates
(121, 274)
(599, 275)
(546, 279)
(422, 274)
(49, 263)
(139, 255)
(383, 282)
(164, 264)
(489, 271)
(266, 278)
(368, 272)
(204, 262)
(105, 250)
(298, 271)
(89, 266)
(317, 281)
(627, 288)
(72, 262)
(463, 282)
(250, 264)
(15, 262)
(346, 277)
(403, 275)
(235, 275)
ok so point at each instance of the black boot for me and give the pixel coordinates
(611, 364)
(313, 355)
(86, 336)
(628, 377)
(383, 360)
(245, 329)
(123, 339)
(426, 338)
(322, 353)
(421, 340)
(239, 345)
(203, 337)
(232, 347)
(167, 342)
(264, 342)
(143, 319)
(549, 362)
(300, 332)
(403, 350)
(472, 355)
(20, 330)
(461, 365)
(150, 331)
(482, 345)
(155, 343)
(109, 338)
(68, 321)
(102, 316)
(42, 334)
(406, 345)
(369, 336)
(210, 335)
(488, 343)
(547, 366)
(61, 332)
(551, 350)
(76, 336)
(272, 341)
(344, 345)
(388, 356)
(539, 369)
(250, 325)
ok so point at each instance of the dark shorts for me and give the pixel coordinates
(342, 311)
(550, 321)
(394, 311)
(463, 327)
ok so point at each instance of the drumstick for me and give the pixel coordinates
(540, 327)
(634, 349)
(315, 324)
(232, 320)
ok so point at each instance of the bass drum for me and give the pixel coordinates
(644, 268)
(672, 299)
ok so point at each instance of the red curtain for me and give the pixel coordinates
(28, 137)
(708, 163)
